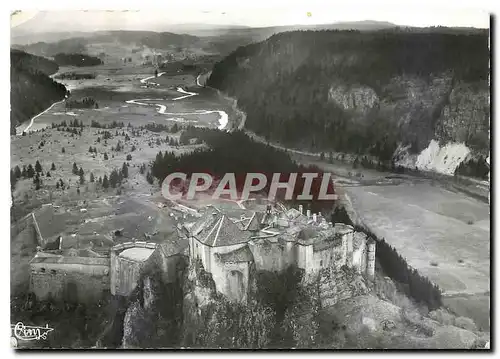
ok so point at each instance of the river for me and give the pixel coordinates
(223, 116)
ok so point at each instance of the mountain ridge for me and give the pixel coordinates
(386, 94)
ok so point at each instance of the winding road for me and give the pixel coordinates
(19, 130)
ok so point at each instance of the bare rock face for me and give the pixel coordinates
(466, 116)
(422, 110)
(153, 313)
(211, 321)
(356, 97)
(339, 284)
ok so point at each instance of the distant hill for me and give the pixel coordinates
(225, 40)
(32, 90)
(22, 38)
(212, 38)
(158, 40)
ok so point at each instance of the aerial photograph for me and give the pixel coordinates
(294, 178)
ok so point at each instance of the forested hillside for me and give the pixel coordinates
(364, 92)
(32, 90)
(78, 60)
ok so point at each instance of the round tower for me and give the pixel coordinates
(370, 256)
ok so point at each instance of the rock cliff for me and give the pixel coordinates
(211, 321)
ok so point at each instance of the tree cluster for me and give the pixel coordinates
(416, 286)
(114, 124)
(474, 168)
(78, 60)
(86, 102)
(237, 153)
(74, 76)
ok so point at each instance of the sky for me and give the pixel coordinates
(158, 19)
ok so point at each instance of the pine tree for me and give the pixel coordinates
(124, 170)
(24, 173)
(113, 178)
(105, 183)
(38, 167)
(105, 156)
(36, 181)
(92, 179)
(63, 150)
(48, 174)
(13, 179)
(129, 157)
(17, 172)
(75, 169)
(100, 180)
(150, 178)
(80, 172)
(53, 167)
(31, 171)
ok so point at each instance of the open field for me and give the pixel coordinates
(443, 234)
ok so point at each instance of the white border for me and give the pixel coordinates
(489, 6)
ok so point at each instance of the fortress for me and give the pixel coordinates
(230, 244)
(232, 248)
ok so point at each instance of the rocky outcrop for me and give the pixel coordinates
(441, 122)
(211, 321)
(466, 117)
(359, 98)
(339, 284)
(153, 314)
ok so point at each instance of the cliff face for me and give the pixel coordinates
(336, 285)
(152, 315)
(211, 321)
(383, 94)
(440, 123)
(282, 311)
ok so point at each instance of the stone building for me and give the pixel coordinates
(70, 278)
(231, 248)
(129, 261)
